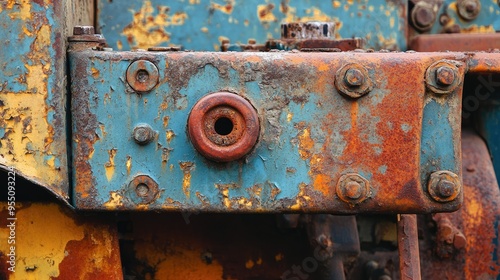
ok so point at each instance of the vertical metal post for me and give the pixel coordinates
(409, 257)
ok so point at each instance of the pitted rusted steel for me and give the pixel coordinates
(449, 239)
(143, 134)
(223, 126)
(143, 189)
(444, 186)
(353, 80)
(142, 75)
(353, 188)
(442, 77)
(409, 255)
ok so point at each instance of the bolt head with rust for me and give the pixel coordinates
(223, 126)
(354, 77)
(353, 80)
(469, 9)
(142, 75)
(423, 16)
(143, 190)
(143, 134)
(444, 186)
(445, 76)
(353, 188)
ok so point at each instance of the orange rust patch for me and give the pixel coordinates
(186, 167)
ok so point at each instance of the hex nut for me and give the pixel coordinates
(443, 77)
(353, 80)
(142, 75)
(353, 188)
(223, 126)
(444, 186)
(143, 134)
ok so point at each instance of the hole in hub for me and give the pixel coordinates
(223, 126)
(142, 76)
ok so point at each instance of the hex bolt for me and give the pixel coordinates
(444, 186)
(83, 30)
(143, 134)
(445, 76)
(353, 188)
(423, 16)
(354, 78)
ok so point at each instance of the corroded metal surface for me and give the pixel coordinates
(54, 243)
(455, 42)
(33, 88)
(396, 135)
(409, 258)
(466, 244)
(204, 24)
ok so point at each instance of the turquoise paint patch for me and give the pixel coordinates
(205, 25)
(437, 146)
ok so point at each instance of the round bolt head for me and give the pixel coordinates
(444, 186)
(354, 78)
(142, 75)
(445, 76)
(353, 188)
(143, 134)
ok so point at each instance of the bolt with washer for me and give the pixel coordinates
(354, 77)
(444, 186)
(445, 76)
(353, 188)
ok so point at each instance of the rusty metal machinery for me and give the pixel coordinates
(249, 139)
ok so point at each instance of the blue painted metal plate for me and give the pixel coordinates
(311, 135)
(203, 24)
